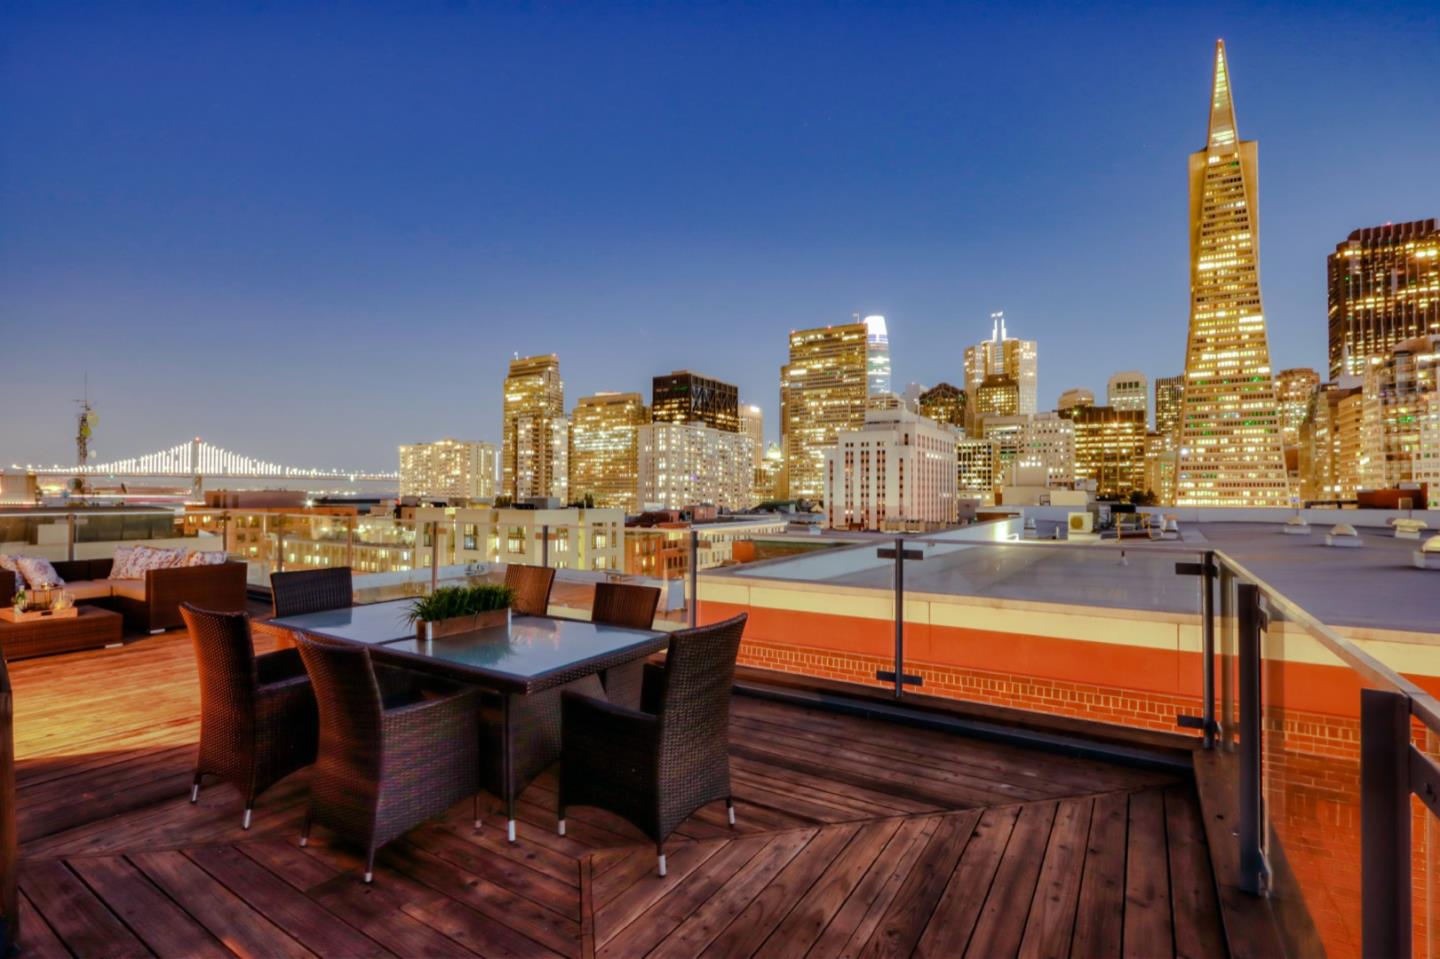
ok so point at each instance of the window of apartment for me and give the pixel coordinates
(468, 536)
(515, 539)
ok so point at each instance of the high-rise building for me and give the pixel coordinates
(752, 424)
(975, 461)
(943, 403)
(448, 469)
(1160, 464)
(1384, 289)
(911, 396)
(1008, 434)
(772, 467)
(1230, 449)
(823, 392)
(1329, 449)
(1077, 396)
(997, 395)
(1129, 390)
(1004, 356)
(1049, 445)
(604, 449)
(1293, 391)
(685, 464)
(536, 448)
(1168, 393)
(686, 397)
(895, 473)
(1400, 422)
(877, 355)
(1109, 448)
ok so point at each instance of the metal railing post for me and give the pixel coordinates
(545, 545)
(1384, 823)
(434, 554)
(1248, 618)
(1226, 717)
(350, 542)
(70, 536)
(279, 544)
(1207, 647)
(694, 578)
(899, 616)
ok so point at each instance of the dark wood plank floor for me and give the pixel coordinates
(855, 838)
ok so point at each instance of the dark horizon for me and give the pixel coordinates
(309, 238)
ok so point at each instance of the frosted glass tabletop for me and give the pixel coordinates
(376, 623)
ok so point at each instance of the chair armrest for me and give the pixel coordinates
(278, 666)
(652, 687)
(596, 733)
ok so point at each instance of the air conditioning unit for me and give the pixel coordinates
(1082, 522)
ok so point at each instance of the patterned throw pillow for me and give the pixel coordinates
(120, 566)
(38, 572)
(142, 559)
(205, 557)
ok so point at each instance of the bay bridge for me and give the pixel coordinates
(197, 460)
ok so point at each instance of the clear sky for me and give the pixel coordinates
(311, 231)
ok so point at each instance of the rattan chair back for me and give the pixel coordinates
(225, 658)
(311, 590)
(531, 586)
(624, 604)
(348, 698)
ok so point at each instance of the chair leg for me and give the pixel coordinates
(560, 821)
(370, 866)
(305, 829)
(249, 811)
(730, 810)
(477, 811)
(195, 788)
(660, 855)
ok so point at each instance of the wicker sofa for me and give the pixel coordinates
(152, 604)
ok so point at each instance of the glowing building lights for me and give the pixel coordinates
(823, 392)
(536, 450)
(1384, 289)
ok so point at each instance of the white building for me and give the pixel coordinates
(1129, 390)
(898, 472)
(1049, 445)
(586, 539)
(448, 469)
(682, 464)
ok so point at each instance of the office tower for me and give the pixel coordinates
(1400, 421)
(943, 403)
(823, 390)
(997, 395)
(448, 469)
(1384, 288)
(1230, 451)
(1007, 433)
(1003, 356)
(1048, 444)
(1293, 390)
(1330, 448)
(877, 355)
(604, 449)
(897, 472)
(1079, 396)
(975, 459)
(687, 464)
(1168, 391)
(1109, 449)
(1129, 390)
(536, 449)
(686, 397)
(769, 473)
(1160, 465)
(752, 424)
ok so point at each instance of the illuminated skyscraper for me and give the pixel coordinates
(536, 449)
(448, 469)
(997, 395)
(1400, 422)
(686, 397)
(1330, 451)
(1230, 451)
(1168, 392)
(1002, 355)
(877, 355)
(1293, 390)
(1129, 390)
(1109, 448)
(943, 403)
(752, 424)
(823, 392)
(1384, 289)
(688, 464)
(604, 449)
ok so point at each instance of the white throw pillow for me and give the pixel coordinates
(120, 566)
(205, 557)
(39, 573)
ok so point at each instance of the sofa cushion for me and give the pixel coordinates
(141, 559)
(81, 590)
(39, 574)
(205, 557)
(127, 588)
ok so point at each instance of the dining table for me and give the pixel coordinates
(527, 656)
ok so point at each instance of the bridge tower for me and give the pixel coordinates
(197, 479)
(84, 429)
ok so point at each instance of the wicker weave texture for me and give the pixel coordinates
(257, 714)
(656, 769)
(91, 627)
(624, 604)
(531, 585)
(311, 590)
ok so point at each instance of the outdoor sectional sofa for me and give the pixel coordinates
(152, 604)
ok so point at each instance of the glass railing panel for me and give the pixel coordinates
(1310, 779)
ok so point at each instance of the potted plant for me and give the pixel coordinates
(461, 609)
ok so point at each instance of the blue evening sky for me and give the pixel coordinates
(311, 231)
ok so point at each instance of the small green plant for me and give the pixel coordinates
(20, 600)
(448, 602)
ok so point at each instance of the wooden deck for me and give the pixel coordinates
(855, 838)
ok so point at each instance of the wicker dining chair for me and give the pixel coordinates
(624, 604)
(655, 767)
(311, 590)
(396, 747)
(531, 586)
(257, 713)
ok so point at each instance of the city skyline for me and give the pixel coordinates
(156, 311)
